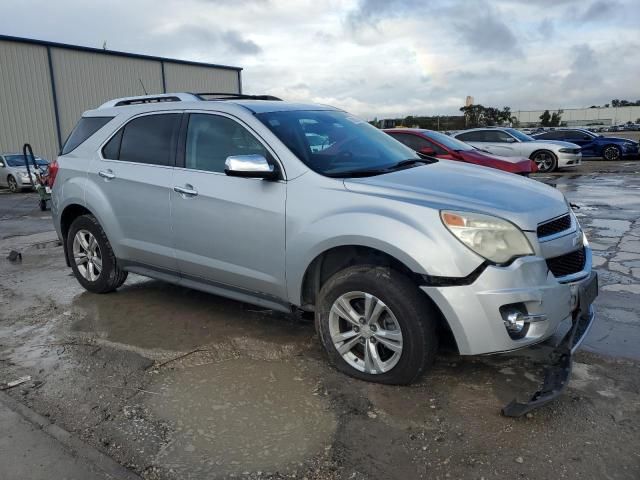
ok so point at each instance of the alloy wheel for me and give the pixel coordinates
(365, 332)
(611, 153)
(87, 255)
(544, 161)
(13, 185)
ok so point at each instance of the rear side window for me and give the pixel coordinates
(86, 127)
(150, 139)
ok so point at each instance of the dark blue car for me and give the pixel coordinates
(592, 144)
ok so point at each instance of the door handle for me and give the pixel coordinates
(108, 174)
(187, 190)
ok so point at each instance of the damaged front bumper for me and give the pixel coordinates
(558, 370)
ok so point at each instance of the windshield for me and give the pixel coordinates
(335, 143)
(449, 142)
(18, 161)
(519, 135)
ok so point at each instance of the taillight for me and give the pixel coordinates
(53, 171)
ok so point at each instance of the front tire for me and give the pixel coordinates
(13, 184)
(376, 325)
(91, 256)
(546, 161)
(611, 153)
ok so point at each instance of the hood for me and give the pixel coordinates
(618, 140)
(558, 142)
(458, 186)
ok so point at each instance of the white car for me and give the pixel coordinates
(509, 142)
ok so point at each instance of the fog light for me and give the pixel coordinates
(515, 322)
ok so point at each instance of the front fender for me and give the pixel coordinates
(422, 250)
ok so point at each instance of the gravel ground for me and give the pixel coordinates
(178, 384)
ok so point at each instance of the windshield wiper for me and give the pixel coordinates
(370, 172)
(412, 161)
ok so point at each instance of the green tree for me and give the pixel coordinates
(556, 118)
(545, 118)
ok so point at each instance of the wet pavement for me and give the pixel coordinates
(178, 384)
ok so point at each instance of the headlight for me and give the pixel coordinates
(490, 237)
(569, 150)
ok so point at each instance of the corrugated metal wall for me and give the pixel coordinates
(26, 100)
(83, 80)
(191, 78)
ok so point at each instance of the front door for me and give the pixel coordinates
(227, 230)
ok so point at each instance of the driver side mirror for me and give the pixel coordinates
(510, 140)
(1, 164)
(427, 151)
(250, 166)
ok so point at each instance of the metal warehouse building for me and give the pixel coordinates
(45, 86)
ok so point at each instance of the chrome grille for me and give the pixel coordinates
(567, 264)
(554, 226)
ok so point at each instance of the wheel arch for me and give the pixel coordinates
(68, 215)
(337, 258)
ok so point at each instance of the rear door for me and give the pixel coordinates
(133, 174)
(228, 231)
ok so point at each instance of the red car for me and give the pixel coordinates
(439, 145)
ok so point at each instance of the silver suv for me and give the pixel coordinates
(306, 207)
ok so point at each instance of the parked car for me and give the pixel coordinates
(594, 145)
(389, 249)
(13, 172)
(509, 142)
(438, 145)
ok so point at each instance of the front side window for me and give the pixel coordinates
(449, 142)
(150, 139)
(497, 136)
(476, 136)
(86, 127)
(335, 143)
(213, 138)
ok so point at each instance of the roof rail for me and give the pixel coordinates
(233, 96)
(163, 97)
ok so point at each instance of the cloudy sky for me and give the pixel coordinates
(373, 57)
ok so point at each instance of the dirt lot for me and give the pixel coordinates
(177, 384)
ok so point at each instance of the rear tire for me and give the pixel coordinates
(545, 160)
(91, 256)
(404, 341)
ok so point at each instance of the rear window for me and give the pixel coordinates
(86, 127)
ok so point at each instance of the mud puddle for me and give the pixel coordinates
(156, 319)
(241, 415)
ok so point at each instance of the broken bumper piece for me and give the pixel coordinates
(558, 371)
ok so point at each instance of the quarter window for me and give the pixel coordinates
(213, 138)
(85, 127)
(150, 139)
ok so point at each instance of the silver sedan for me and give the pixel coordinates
(13, 172)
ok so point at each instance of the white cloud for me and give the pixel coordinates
(374, 57)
